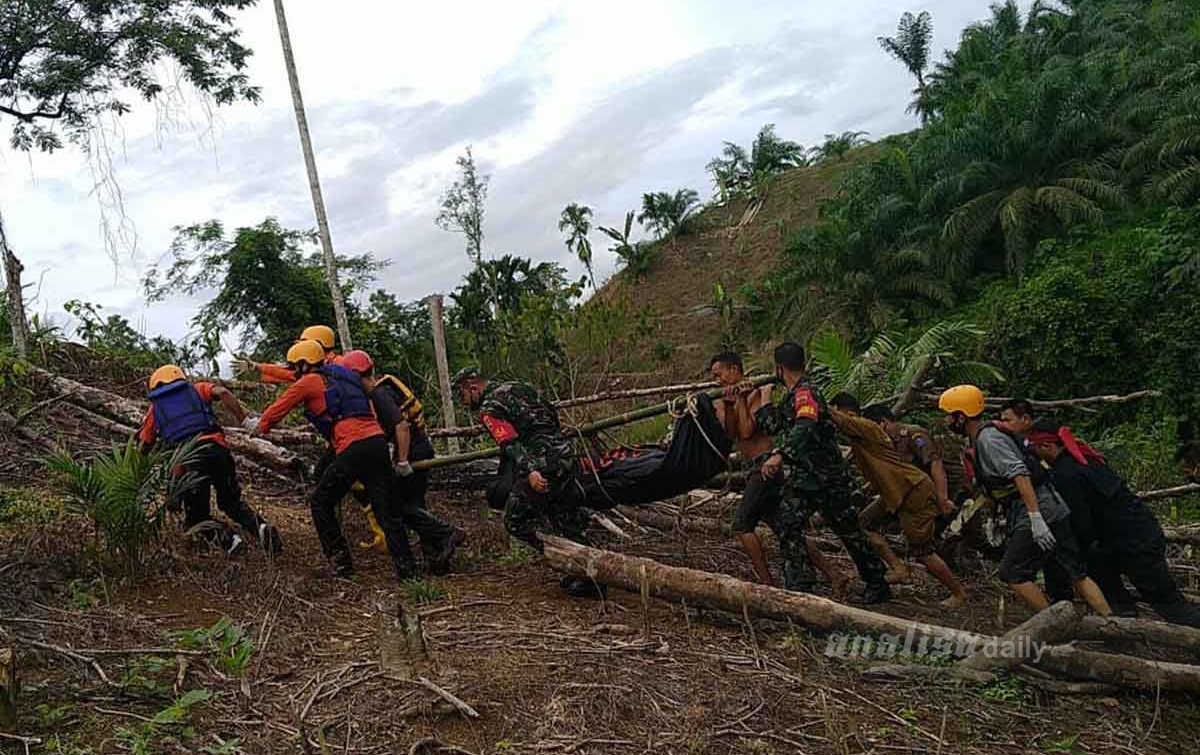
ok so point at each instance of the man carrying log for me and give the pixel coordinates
(1120, 533)
(545, 490)
(1039, 524)
(402, 418)
(905, 493)
(181, 412)
(815, 478)
(761, 497)
(337, 406)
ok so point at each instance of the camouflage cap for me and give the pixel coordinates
(464, 374)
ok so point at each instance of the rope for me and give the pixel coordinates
(691, 407)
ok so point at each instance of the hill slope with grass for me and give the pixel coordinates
(728, 244)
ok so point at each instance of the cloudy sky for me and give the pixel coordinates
(594, 102)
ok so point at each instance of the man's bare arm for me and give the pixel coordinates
(230, 402)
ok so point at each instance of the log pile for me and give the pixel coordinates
(698, 588)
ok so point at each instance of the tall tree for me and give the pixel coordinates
(462, 211)
(911, 47)
(576, 222)
(839, 145)
(736, 172)
(314, 182)
(64, 63)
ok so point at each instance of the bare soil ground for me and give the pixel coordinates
(547, 674)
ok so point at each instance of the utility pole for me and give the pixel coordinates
(314, 183)
(16, 300)
(436, 316)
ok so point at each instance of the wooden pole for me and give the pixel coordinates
(314, 182)
(437, 318)
(16, 296)
(589, 429)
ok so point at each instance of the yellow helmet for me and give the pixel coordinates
(168, 373)
(322, 334)
(306, 351)
(967, 399)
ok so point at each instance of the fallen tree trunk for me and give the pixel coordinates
(14, 426)
(993, 402)
(1188, 534)
(1055, 624)
(131, 413)
(726, 593)
(652, 517)
(1152, 633)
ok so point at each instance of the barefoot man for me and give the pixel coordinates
(760, 500)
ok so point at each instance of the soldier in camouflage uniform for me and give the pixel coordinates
(526, 428)
(816, 479)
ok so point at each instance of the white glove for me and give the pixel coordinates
(403, 468)
(1041, 532)
(250, 423)
(242, 366)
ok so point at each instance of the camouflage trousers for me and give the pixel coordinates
(559, 511)
(837, 506)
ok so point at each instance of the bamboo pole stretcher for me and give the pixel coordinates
(994, 402)
(589, 429)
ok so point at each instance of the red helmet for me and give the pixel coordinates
(357, 360)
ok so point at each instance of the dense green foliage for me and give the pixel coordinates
(63, 63)
(738, 173)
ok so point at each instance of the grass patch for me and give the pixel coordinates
(1009, 689)
(517, 554)
(30, 506)
(229, 641)
(421, 591)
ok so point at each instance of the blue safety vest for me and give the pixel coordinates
(180, 414)
(345, 398)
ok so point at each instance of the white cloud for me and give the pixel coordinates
(565, 101)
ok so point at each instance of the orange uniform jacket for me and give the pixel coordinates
(310, 391)
(281, 374)
(149, 433)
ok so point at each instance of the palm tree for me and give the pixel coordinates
(576, 221)
(666, 214)
(737, 172)
(911, 47)
(838, 145)
(636, 256)
(1019, 166)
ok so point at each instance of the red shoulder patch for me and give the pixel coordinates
(501, 430)
(805, 405)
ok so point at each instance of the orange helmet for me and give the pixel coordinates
(168, 373)
(357, 360)
(967, 399)
(309, 351)
(322, 334)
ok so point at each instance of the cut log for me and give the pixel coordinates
(725, 593)
(661, 520)
(10, 423)
(8, 689)
(1053, 625)
(993, 402)
(403, 654)
(1150, 633)
(1175, 492)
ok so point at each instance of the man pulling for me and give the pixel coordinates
(181, 412)
(761, 497)
(905, 493)
(806, 451)
(1039, 525)
(545, 491)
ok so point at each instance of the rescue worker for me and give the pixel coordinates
(281, 374)
(181, 412)
(337, 406)
(1039, 523)
(402, 418)
(905, 493)
(816, 478)
(545, 491)
(1120, 534)
(761, 497)
(1017, 416)
(939, 459)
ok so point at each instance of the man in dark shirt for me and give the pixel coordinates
(1118, 533)
(400, 415)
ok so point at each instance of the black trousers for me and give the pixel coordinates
(408, 495)
(365, 461)
(213, 465)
